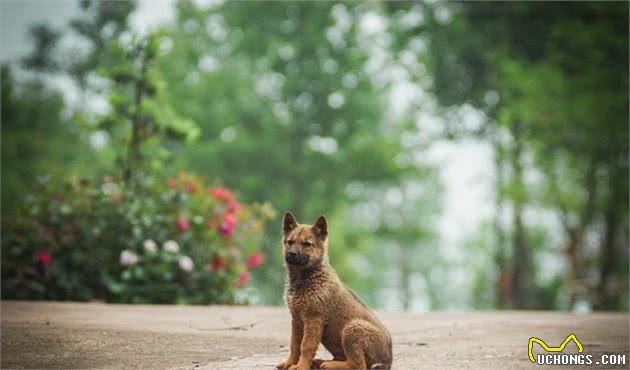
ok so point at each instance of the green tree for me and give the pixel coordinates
(141, 120)
(41, 133)
(37, 139)
(534, 69)
(287, 110)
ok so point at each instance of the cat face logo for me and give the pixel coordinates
(560, 348)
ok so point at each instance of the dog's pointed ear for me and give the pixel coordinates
(320, 228)
(288, 222)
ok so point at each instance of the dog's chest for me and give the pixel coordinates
(308, 301)
(302, 301)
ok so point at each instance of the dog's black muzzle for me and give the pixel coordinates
(293, 258)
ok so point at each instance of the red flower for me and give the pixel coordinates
(221, 194)
(234, 206)
(172, 183)
(255, 260)
(228, 225)
(242, 279)
(182, 224)
(218, 263)
(43, 258)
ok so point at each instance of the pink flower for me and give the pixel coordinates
(242, 279)
(221, 194)
(172, 183)
(234, 206)
(182, 224)
(228, 225)
(255, 260)
(43, 258)
(229, 219)
(226, 229)
(218, 263)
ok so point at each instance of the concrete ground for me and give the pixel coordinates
(102, 336)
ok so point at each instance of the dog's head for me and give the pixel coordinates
(304, 245)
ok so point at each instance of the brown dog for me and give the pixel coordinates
(323, 310)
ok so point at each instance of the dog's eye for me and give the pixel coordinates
(308, 243)
(289, 242)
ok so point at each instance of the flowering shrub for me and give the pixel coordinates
(174, 241)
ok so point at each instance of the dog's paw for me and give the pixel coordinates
(335, 365)
(283, 365)
(299, 366)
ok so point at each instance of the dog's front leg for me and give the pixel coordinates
(294, 345)
(313, 329)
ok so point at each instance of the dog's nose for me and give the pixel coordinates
(297, 259)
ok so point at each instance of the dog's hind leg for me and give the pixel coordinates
(356, 338)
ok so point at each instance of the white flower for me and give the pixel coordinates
(171, 246)
(150, 246)
(186, 263)
(128, 258)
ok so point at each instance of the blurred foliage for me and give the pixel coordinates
(181, 241)
(552, 82)
(82, 242)
(36, 139)
(288, 114)
(299, 108)
(140, 120)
